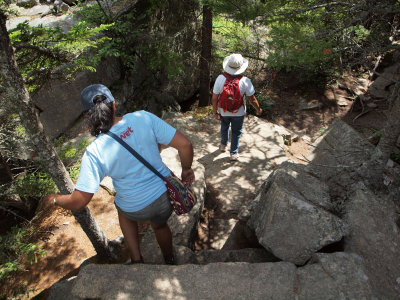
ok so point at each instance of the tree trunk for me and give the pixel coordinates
(205, 56)
(13, 91)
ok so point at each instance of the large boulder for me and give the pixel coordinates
(339, 149)
(334, 276)
(291, 220)
(59, 100)
(380, 88)
(374, 235)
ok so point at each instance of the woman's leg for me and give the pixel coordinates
(164, 239)
(130, 231)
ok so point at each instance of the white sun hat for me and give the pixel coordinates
(235, 64)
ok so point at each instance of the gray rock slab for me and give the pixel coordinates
(375, 236)
(42, 9)
(380, 86)
(338, 150)
(250, 255)
(296, 180)
(212, 281)
(241, 236)
(334, 276)
(292, 228)
(219, 231)
(62, 290)
(13, 23)
(64, 97)
(65, 22)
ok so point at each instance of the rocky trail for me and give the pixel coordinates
(256, 246)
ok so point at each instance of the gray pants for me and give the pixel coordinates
(158, 212)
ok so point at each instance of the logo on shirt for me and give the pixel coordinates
(126, 133)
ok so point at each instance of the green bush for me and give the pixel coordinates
(293, 47)
(264, 102)
(36, 184)
(69, 153)
(395, 156)
(16, 250)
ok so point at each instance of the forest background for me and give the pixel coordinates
(179, 46)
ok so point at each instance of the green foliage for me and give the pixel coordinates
(16, 250)
(322, 131)
(40, 50)
(137, 34)
(231, 35)
(395, 156)
(70, 154)
(36, 184)
(74, 171)
(310, 38)
(39, 183)
(292, 46)
(201, 113)
(264, 102)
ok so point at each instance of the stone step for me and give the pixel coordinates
(327, 276)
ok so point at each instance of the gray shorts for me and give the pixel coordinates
(158, 212)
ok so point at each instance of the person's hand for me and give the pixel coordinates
(259, 111)
(217, 116)
(46, 202)
(188, 177)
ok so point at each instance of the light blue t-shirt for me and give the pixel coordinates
(135, 184)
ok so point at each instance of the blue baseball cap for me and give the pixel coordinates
(91, 92)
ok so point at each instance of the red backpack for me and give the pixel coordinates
(231, 99)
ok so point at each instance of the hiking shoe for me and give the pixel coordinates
(222, 147)
(234, 156)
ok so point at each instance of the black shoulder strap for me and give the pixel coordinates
(134, 153)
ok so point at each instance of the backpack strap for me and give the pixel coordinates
(134, 153)
(231, 77)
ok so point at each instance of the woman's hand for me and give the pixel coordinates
(47, 201)
(188, 177)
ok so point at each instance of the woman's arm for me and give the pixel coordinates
(185, 151)
(75, 201)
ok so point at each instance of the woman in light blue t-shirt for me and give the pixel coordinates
(141, 195)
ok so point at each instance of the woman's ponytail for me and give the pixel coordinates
(100, 118)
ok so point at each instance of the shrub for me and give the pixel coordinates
(264, 102)
(36, 184)
(16, 250)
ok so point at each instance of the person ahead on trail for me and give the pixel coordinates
(141, 195)
(228, 101)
